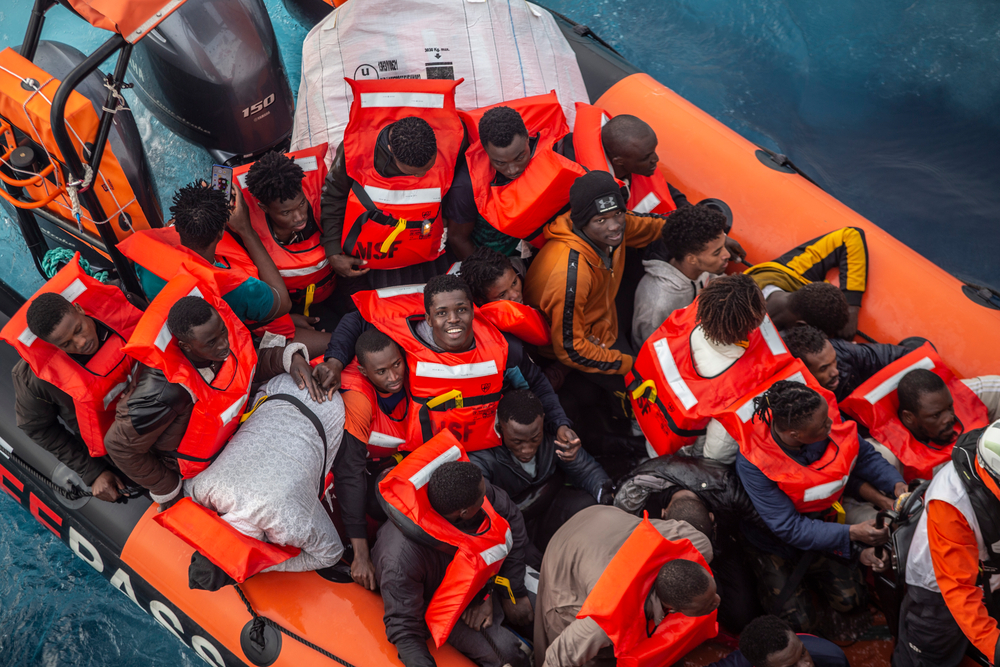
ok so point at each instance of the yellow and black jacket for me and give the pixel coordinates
(811, 261)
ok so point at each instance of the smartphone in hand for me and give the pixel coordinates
(222, 179)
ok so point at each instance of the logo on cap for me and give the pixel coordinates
(605, 204)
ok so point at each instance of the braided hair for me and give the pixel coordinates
(274, 177)
(730, 308)
(786, 404)
(200, 214)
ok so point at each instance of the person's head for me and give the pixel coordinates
(813, 347)
(798, 415)
(63, 324)
(199, 329)
(413, 146)
(456, 491)
(449, 311)
(505, 139)
(521, 418)
(381, 361)
(822, 305)
(630, 145)
(275, 181)
(768, 641)
(597, 208)
(730, 308)
(491, 277)
(695, 237)
(988, 451)
(200, 215)
(926, 407)
(687, 587)
(687, 506)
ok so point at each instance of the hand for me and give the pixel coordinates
(347, 266)
(327, 375)
(596, 341)
(884, 503)
(302, 373)
(901, 488)
(567, 444)
(867, 533)
(869, 559)
(303, 322)
(363, 572)
(519, 613)
(106, 486)
(479, 616)
(556, 374)
(736, 251)
(239, 220)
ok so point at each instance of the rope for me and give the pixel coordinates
(56, 258)
(120, 104)
(76, 492)
(257, 631)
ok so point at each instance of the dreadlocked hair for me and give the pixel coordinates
(200, 214)
(500, 125)
(412, 141)
(481, 269)
(730, 308)
(275, 177)
(786, 404)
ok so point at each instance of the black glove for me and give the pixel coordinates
(606, 494)
(204, 575)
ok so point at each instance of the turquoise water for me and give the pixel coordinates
(890, 106)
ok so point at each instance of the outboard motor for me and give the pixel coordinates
(212, 72)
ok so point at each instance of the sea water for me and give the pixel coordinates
(892, 107)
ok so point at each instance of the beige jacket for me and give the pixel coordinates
(574, 560)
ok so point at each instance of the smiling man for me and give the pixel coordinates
(575, 277)
(188, 392)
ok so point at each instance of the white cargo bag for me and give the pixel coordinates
(504, 49)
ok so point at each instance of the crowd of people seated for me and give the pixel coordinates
(531, 449)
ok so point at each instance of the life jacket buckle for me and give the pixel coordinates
(454, 394)
(397, 230)
(310, 295)
(839, 515)
(641, 389)
(504, 582)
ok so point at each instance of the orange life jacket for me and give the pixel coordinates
(521, 207)
(812, 488)
(457, 392)
(95, 387)
(672, 402)
(477, 557)
(303, 265)
(218, 406)
(387, 433)
(238, 555)
(647, 194)
(520, 319)
(160, 251)
(395, 222)
(617, 599)
(876, 405)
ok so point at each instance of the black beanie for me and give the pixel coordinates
(594, 193)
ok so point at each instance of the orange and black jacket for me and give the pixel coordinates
(845, 248)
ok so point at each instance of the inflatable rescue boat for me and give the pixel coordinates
(76, 176)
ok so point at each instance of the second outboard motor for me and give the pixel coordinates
(212, 73)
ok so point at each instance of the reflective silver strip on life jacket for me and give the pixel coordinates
(403, 197)
(233, 410)
(890, 385)
(824, 490)
(772, 337)
(422, 476)
(458, 372)
(499, 551)
(388, 292)
(163, 338)
(669, 369)
(745, 411)
(111, 395)
(376, 439)
(304, 271)
(71, 293)
(647, 203)
(388, 99)
(307, 162)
